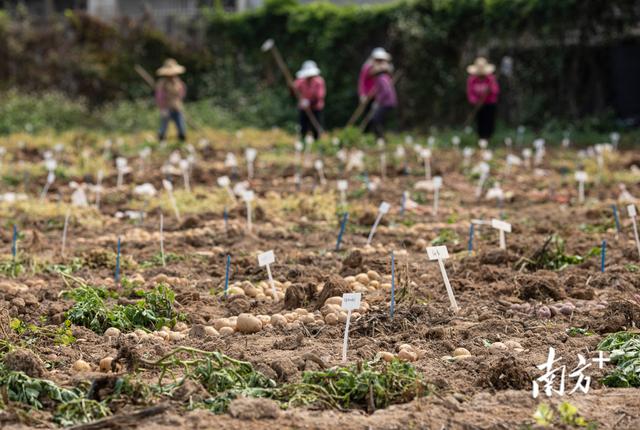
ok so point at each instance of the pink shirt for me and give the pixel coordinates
(482, 89)
(313, 90)
(366, 82)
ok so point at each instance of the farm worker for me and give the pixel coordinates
(482, 93)
(367, 79)
(385, 97)
(170, 92)
(311, 88)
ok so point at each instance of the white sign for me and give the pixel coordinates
(343, 185)
(266, 258)
(437, 252)
(384, 207)
(437, 182)
(351, 301)
(581, 176)
(224, 181)
(631, 210)
(501, 225)
(248, 195)
(250, 154)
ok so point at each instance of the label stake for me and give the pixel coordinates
(350, 301)
(383, 209)
(343, 225)
(440, 253)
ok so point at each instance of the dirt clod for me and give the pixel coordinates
(247, 408)
(22, 360)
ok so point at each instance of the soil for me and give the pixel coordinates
(499, 300)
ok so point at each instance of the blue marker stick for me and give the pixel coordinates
(471, 232)
(616, 218)
(226, 220)
(603, 253)
(393, 284)
(226, 276)
(117, 275)
(343, 225)
(14, 242)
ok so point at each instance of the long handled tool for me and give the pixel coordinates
(270, 46)
(152, 83)
(361, 107)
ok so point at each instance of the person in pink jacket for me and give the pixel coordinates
(482, 92)
(311, 87)
(367, 78)
(385, 98)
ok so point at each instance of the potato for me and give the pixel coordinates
(373, 275)
(105, 364)
(407, 355)
(221, 322)
(176, 336)
(336, 300)
(374, 284)
(386, 286)
(350, 279)
(405, 346)
(226, 330)
(112, 332)
(357, 287)
(278, 320)
(386, 356)
(342, 317)
(331, 319)
(181, 326)
(251, 291)
(264, 319)
(247, 324)
(301, 311)
(291, 316)
(458, 352)
(362, 278)
(307, 319)
(210, 331)
(81, 366)
(233, 291)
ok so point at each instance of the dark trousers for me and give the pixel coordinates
(306, 126)
(486, 121)
(178, 118)
(379, 117)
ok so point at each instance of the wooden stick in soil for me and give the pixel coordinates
(270, 46)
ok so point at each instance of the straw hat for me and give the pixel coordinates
(170, 68)
(481, 67)
(380, 54)
(309, 69)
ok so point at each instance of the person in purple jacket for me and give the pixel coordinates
(386, 99)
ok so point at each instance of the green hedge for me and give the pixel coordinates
(560, 50)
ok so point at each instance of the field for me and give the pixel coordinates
(165, 347)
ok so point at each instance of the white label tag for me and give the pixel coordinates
(167, 185)
(266, 258)
(250, 153)
(351, 301)
(581, 176)
(343, 185)
(318, 164)
(501, 225)
(247, 196)
(224, 181)
(631, 210)
(437, 252)
(437, 181)
(384, 207)
(425, 153)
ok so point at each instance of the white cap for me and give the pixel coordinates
(380, 54)
(309, 69)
